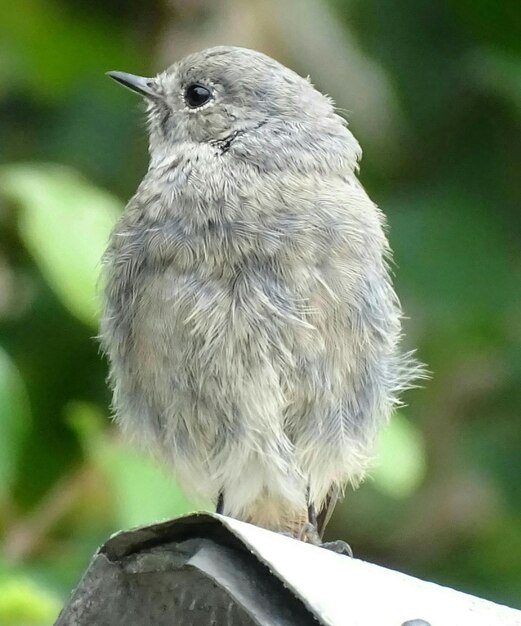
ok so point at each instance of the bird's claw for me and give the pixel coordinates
(309, 534)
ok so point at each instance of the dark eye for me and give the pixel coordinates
(197, 95)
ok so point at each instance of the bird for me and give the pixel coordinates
(249, 318)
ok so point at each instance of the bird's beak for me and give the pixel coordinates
(139, 84)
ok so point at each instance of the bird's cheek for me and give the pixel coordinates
(215, 124)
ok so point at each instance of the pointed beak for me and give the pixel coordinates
(139, 84)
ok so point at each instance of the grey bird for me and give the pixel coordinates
(249, 318)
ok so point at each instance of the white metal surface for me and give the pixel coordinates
(349, 592)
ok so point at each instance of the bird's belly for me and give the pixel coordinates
(212, 357)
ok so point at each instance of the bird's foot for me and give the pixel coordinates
(338, 546)
(310, 535)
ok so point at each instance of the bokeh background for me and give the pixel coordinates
(432, 90)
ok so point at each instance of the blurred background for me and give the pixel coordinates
(432, 90)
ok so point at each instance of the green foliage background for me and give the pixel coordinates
(433, 92)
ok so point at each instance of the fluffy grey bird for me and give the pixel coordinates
(249, 318)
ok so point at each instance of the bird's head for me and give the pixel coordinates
(220, 93)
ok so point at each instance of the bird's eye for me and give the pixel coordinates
(197, 95)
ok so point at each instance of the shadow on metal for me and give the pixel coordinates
(190, 571)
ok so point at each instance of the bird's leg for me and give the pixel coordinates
(311, 535)
(220, 504)
(310, 532)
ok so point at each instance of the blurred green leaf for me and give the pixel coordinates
(24, 603)
(143, 491)
(454, 256)
(14, 420)
(499, 73)
(401, 462)
(65, 223)
(52, 51)
(494, 23)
